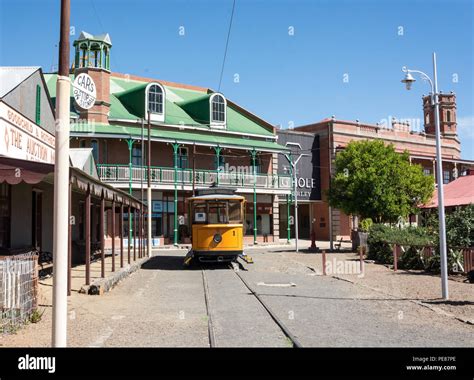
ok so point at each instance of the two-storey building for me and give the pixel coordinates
(199, 138)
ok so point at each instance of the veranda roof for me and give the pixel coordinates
(459, 192)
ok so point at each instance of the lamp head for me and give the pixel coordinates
(408, 80)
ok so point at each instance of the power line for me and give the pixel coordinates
(103, 30)
(226, 45)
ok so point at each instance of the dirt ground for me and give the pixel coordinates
(107, 313)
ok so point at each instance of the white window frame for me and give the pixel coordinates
(218, 124)
(155, 116)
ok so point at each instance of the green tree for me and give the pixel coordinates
(373, 181)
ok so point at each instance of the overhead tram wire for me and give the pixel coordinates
(103, 29)
(226, 46)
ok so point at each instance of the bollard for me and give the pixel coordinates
(395, 257)
(324, 261)
(361, 257)
(313, 247)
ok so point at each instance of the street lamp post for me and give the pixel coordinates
(409, 80)
(295, 196)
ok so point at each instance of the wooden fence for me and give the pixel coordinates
(18, 289)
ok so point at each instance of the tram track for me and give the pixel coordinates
(210, 327)
(235, 267)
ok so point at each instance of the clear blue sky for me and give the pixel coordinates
(283, 78)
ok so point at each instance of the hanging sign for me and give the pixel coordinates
(84, 91)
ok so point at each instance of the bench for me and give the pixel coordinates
(339, 244)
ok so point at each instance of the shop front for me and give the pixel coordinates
(308, 188)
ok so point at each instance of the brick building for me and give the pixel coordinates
(334, 135)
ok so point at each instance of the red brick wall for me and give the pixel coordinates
(101, 78)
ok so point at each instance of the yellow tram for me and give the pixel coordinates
(216, 218)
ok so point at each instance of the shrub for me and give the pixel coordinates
(381, 239)
(455, 257)
(36, 316)
(365, 224)
(412, 259)
(459, 226)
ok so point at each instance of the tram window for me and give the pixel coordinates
(217, 213)
(199, 215)
(235, 212)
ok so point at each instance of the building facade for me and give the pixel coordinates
(199, 138)
(308, 182)
(333, 135)
(27, 147)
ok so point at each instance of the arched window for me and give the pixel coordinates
(155, 99)
(218, 106)
(448, 116)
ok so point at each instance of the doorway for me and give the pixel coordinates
(37, 218)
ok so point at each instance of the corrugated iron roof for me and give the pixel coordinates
(12, 76)
(459, 192)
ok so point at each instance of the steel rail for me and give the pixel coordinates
(281, 325)
(210, 328)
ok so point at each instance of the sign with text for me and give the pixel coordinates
(21, 138)
(84, 91)
(308, 169)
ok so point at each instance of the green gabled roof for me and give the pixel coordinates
(183, 106)
(118, 110)
(197, 108)
(177, 136)
(84, 36)
(133, 100)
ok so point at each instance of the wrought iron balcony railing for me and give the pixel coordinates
(165, 175)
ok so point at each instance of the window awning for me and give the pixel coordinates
(14, 171)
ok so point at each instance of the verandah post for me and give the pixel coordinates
(121, 234)
(88, 236)
(175, 159)
(113, 233)
(254, 167)
(102, 233)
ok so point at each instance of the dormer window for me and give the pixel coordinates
(155, 101)
(218, 110)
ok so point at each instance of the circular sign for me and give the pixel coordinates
(84, 91)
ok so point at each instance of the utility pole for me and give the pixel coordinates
(61, 185)
(148, 189)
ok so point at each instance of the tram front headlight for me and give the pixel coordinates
(217, 238)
